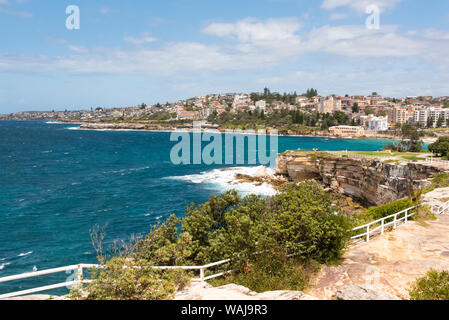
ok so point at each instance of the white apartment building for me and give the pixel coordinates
(378, 123)
(421, 116)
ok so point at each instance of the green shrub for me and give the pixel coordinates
(303, 219)
(440, 147)
(441, 180)
(433, 286)
(385, 210)
(423, 214)
(273, 271)
(123, 279)
(300, 221)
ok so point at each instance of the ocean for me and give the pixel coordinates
(57, 182)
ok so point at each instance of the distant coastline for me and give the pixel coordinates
(127, 126)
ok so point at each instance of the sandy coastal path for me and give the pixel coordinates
(390, 262)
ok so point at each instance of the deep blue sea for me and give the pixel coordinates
(56, 183)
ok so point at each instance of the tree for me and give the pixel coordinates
(410, 139)
(430, 122)
(440, 121)
(370, 110)
(355, 108)
(310, 93)
(440, 147)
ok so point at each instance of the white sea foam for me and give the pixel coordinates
(225, 179)
(3, 265)
(25, 254)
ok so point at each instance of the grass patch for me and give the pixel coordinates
(441, 180)
(413, 158)
(423, 214)
(273, 272)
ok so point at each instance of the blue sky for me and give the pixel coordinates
(131, 51)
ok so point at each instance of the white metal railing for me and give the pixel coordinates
(78, 280)
(201, 268)
(370, 228)
(437, 161)
(79, 276)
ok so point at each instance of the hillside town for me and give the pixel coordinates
(364, 114)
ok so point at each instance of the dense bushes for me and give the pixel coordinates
(301, 220)
(388, 209)
(127, 279)
(272, 271)
(273, 243)
(440, 147)
(433, 286)
(257, 234)
(385, 210)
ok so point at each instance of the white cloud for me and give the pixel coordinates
(20, 14)
(79, 49)
(359, 5)
(338, 16)
(251, 30)
(357, 41)
(253, 45)
(146, 38)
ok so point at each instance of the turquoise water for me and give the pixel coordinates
(56, 183)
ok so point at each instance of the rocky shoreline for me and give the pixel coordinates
(372, 181)
(189, 128)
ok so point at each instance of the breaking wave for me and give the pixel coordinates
(225, 179)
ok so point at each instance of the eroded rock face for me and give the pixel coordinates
(372, 181)
(358, 292)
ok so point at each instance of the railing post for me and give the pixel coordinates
(383, 227)
(395, 221)
(202, 274)
(79, 277)
(367, 233)
(406, 215)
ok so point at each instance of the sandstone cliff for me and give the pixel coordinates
(371, 181)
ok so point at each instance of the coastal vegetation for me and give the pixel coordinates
(385, 210)
(410, 140)
(433, 286)
(123, 278)
(273, 243)
(441, 180)
(440, 147)
(284, 120)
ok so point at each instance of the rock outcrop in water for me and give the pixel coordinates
(371, 181)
